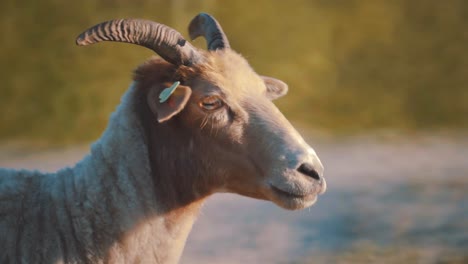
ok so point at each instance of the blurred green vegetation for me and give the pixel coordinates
(352, 65)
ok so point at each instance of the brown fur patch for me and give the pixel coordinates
(154, 71)
(181, 174)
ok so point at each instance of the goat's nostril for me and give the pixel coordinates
(309, 170)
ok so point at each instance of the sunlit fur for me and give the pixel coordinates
(134, 198)
(102, 210)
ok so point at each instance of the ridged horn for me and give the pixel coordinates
(205, 25)
(165, 41)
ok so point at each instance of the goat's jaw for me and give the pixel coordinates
(295, 194)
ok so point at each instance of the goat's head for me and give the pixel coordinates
(251, 149)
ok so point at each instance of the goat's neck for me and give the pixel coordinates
(145, 212)
(180, 177)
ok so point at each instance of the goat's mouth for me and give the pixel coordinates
(291, 195)
(294, 199)
(296, 196)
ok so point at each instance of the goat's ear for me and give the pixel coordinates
(275, 87)
(169, 107)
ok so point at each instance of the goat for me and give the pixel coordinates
(194, 124)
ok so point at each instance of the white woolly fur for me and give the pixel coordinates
(93, 211)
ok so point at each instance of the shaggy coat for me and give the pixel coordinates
(106, 209)
(135, 197)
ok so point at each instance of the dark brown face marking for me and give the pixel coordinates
(229, 136)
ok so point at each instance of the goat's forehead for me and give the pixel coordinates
(231, 73)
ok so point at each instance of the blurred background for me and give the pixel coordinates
(377, 87)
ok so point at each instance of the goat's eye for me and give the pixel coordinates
(211, 103)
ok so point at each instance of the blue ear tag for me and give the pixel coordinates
(166, 93)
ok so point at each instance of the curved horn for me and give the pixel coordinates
(205, 25)
(165, 41)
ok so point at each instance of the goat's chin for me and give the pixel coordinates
(293, 203)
